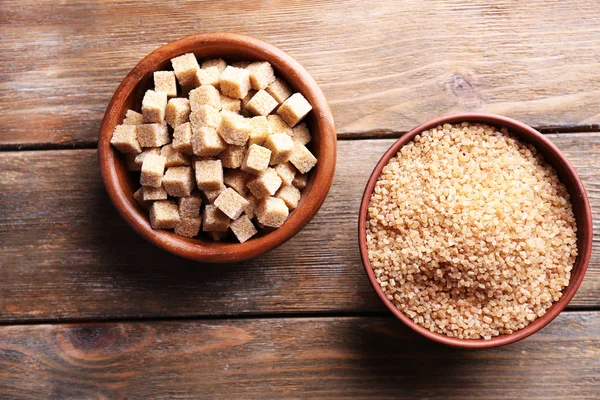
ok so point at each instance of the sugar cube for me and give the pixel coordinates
(290, 196)
(231, 203)
(230, 104)
(261, 103)
(133, 118)
(209, 174)
(302, 158)
(294, 109)
(261, 74)
(300, 181)
(188, 226)
(235, 82)
(153, 168)
(279, 90)
(206, 142)
(272, 212)
(153, 135)
(154, 193)
(286, 172)
(209, 76)
(278, 125)
(211, 195)
(175, 158)
(205, 95)
(189, 206)
(163, 214)
(281, 146)
(177, 111)
(164, 81)
(182, 138)
(243, 228)
(186, 67)
(301, 134)
(125, 139)
(234, 129)
(216, 62)
(138, 195)
(265, 184)
(153, 106)
(179, 181)
(237, 180)
(232, 156)
(213, 219)
(205, 116)
(260, 130)
(256, 159)
(250, 209)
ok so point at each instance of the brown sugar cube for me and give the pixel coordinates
(182, 138)
(232, 156)
(175, 158)
(261, 103)
(272, 212)
(139, 197)
(206, 142)
(235, 82)
(230, 104)
(205, 116)
(279, 90)
(234, 129)
(286, 172)
(188, 227)
(301, 134)
(179, 181)
(250, 209)
(186, 67)
(217, 62)
(300, 181)
(152, 193)
(302, 158)
(240, 64)
(154, 105)
(260, 130)
(164, 81)
(125, 139)
(211, 195)
(237, 180)
(209, 174)
(189, 206)
(290, 196)
(243, 229)
(153, 135)
(294, 109)
(163, 214)
(177, 111)
(134, 161)
(244, 100)
(213, 219)
(231, 203)
(153, 168)
(261, 75)
(209, 76)
(278, 125)
(256, 159)
(281, 146)
(133, 118)
(205, 95)
(265, 184)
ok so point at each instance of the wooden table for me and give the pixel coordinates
(90, 310)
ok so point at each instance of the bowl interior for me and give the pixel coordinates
(568, 176)
(121, 183)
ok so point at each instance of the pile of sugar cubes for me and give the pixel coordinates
(231, 155)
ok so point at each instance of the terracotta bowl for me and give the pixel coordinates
(120, 183)
(568, 176)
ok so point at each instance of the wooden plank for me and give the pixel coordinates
(384, 66)
(292, 358)
(66, 254)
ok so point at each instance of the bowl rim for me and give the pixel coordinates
(219, 252)
(519, 129)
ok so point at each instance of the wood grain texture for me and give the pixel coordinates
(292, 358)
(384, 66)
(66, 254)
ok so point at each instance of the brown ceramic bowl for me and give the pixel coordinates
(120, 183)
(568, 176)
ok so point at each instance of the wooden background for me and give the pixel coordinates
(90, 310)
